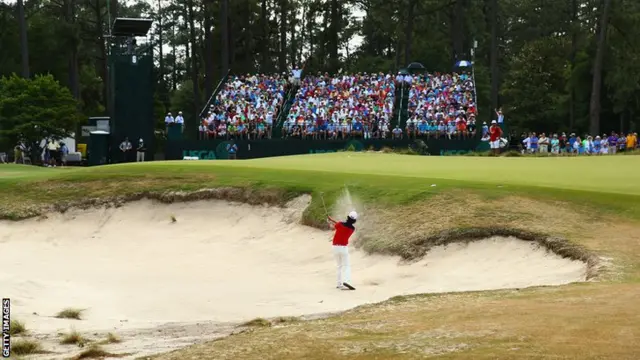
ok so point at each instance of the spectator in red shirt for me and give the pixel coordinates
(495, 133)
(344, 230)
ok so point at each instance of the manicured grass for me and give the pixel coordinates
(606, 182)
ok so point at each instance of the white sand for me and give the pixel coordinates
(132, 268)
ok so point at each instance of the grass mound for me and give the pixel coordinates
(26, 347)
(257, 322)
(17, 328)
(70, 313)
(73, 338)
(96, 352)
(113, 339)
(410, 230)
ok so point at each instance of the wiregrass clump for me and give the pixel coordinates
(70, 313)
(95, 352)
(73, 338)
(26, 347)
(258, 322)
(17, 328)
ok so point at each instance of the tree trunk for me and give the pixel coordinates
(208, 48)
(457, 30)
(303, 35)
(24, 45)
(294, 44)
(192, 128)
(224, 23)
(594, 108)
(334, 39)
(161, 71)
(282, 58)
(174, 70)
(187, 46)
(102, 66)
(74, 77)
(311, 24)
(495, 75)
(265, 67)
(409, 32)
(574, 50)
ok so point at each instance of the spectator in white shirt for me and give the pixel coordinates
(296, 75)
(168, 121)
(125, 147)
(500, 116)
(180, 120)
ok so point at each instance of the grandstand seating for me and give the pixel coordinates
(324, 107)
(441, 105)
(245, 107)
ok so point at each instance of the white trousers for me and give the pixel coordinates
(140, 157)
(341, 254)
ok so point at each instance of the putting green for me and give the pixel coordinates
(606, 174)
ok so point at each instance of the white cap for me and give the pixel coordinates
(493, 122)
(353, 215)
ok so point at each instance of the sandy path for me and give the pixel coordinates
(132, 268)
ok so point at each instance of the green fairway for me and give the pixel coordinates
(618, 174)
(608, 182)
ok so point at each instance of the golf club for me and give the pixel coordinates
(324, 205)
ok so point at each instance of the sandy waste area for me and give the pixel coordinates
(160, 285)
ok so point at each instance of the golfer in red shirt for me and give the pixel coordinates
(495, 133)
(344, 230)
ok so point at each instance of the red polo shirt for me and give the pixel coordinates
(342, 235)
(495, 133)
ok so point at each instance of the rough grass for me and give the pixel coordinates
(73, 338)
(113, 339)
(17, 328)
(70, 313)
(258, 322)
(25, 347)
(96, 352)
(529, 324)
(411, 230)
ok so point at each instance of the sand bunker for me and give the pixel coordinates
(133, 268)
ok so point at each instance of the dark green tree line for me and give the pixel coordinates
(551, 65)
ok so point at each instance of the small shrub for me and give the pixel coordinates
(17, 328)
(95, 351)
(70, 313)
(351, 148)
(25, 347)
(285, 319)
(112, 339)
(73, 338)
(173, 218)
(258, 322)
(386, 150)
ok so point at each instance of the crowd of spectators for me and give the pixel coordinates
(576, 145)
(344, 106)
(245, 108)
(442, 106)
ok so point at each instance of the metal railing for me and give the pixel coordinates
(215, 93)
